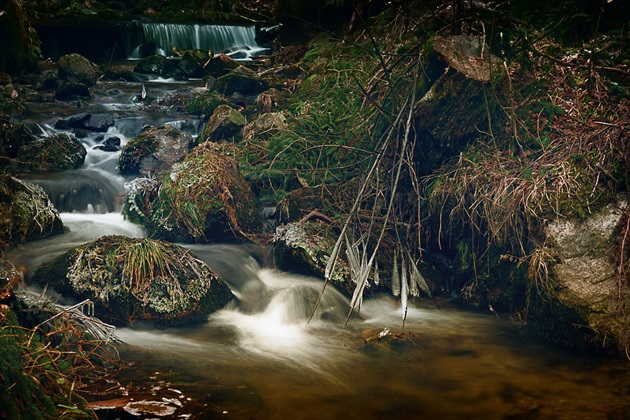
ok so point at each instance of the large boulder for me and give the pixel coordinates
(137, 279)
(583, 304)
(75, 68)
(191, 65)
(154, 151)
(25, 212)
(86, 121)
(58, 152)
(224, 123)
(205, 199)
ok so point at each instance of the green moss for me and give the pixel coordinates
(205, 198)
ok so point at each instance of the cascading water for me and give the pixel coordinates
(160, 38)
(260, 358)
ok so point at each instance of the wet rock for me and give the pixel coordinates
(582, 308)
(137, 279)
(191, 66)
(205, 198)
(233, 83)
(154, 151)
(75, 68)
(26, 213)
(72, 91)
(109, 144)
(86, 121)
(224, 123)
(58, 152)
(305, 247)
(141, 192)
(220, 65)
(158, 64)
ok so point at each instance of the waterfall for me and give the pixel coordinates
(160, 38)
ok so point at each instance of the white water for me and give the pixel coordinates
(237, 41)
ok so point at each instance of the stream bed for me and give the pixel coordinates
(259, 358)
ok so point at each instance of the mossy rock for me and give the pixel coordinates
(59, 152)
(75, 68)
(26, 213)
(205, 199)
(158, 64)
(204, 103)
(72, 91)
(224, 123)
(137, 279)
(272, 100)
(191, 65)
(154, 151)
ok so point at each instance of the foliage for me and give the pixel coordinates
(46, 369)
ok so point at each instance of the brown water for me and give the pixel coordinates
(448, 364)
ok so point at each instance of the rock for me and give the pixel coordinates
(72, 91)
(48, 80)
(305, 247)
(190, 66)
(26, 213)
(141, 192)
(154, 151)
(137, 279)
(468, 55)
(110, 144)
(220, 65)
(158, 64)
(239, 83)
(75, 68)
(582, 308)
(12, 138)
(225, 122)
(86, 121)
(205, 198)
(271, 121)
(272, 100)
(57, 152)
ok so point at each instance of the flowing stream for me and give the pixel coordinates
(260, 358)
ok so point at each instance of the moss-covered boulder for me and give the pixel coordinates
(583, 303)
(25, 212)
(266, 123)
(58, 152)
(137, 279)
(75, 68)
(205, 199)
(154, 151)
(224, 123)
